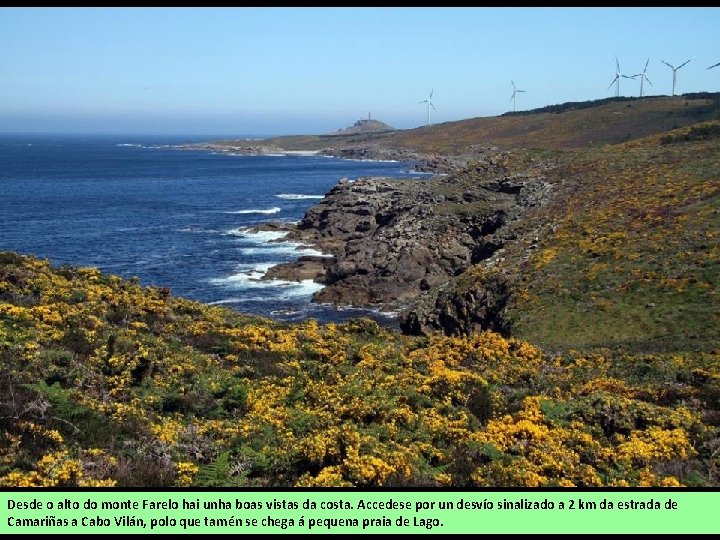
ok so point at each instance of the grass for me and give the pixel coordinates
(576, 125)
(634, 259)
(592, 126)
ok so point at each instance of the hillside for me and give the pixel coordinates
(572, 125)
(107, 383)
(608, 122)
(594, 247)
(368, 125)
(625, 252)
(561, 313)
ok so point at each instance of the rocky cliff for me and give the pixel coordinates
(394, 241)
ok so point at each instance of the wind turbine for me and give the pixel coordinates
(429, 104)
(674, 69)
(618, 75)
(714, 65)
(643, 77)
(515, 91)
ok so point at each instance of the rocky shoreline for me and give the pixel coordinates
(397, 244)
(421, 162)
(245, 149)
(405, 245)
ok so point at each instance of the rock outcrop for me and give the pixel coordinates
(366, 125)
(455, 309)
(398, 243)
(390, 240)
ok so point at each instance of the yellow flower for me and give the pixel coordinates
(185, 473)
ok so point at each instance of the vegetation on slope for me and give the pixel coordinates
(568, 125)
(632, 252)
(104, 382)
(579, 126)
(625, 253)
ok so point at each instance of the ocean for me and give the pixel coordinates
(136, 206)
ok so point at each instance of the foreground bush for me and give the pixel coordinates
(107, 383)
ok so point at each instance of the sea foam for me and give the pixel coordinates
(248, 277)
(273, 210)
(298, 196)
(257, 236)
(282, 248)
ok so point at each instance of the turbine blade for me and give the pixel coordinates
(617, 64)
(629, 76)
(646, 65)
(523, 91)
(668, 65)
(613, 81)
(433, 106)
(431, 93)
(714, 65)
(648, 80)
(681, 65)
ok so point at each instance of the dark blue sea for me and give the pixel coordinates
(137, 206)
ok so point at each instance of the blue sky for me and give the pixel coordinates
(313, 70)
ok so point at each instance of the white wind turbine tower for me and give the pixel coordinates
(618, 75)
(643, 77)
(674, 70)
(429, 104)
(515, 91)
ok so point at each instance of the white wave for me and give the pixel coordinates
(301, 152)
(271, 243)
(249, 278)
(298, 196)
(290, 248)
(241, 300)
(273, 210)
(269, 250)
(285, 312)
(371, 160)
(313, 252)
(257, 236)
(247, 274)
(145, 146)
(306, 287)
(361, 310)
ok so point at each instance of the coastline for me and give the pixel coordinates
(388, 244)
(422, 162)
(463, 251)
